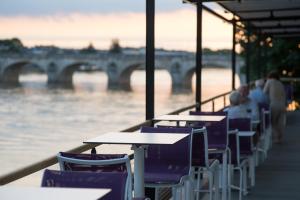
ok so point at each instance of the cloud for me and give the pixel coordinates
(52, 7)
(174, 30)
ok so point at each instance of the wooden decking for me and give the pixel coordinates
(278, 178)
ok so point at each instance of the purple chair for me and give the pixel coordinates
(116, 181)
(168, 166)
(247, 148)
(238, 163)
(202, 164)
(200, 161)
(266, 125)
(217, 138)
(243, 124)
(97, 163)
(217, 131)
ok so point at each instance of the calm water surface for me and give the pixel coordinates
(37, 122)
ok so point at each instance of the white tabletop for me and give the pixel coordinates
(190, 118)
(50, 193)
(136, 138)
(246, 133)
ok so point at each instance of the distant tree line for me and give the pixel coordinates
(15, 46)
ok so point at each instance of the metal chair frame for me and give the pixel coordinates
(117, 161)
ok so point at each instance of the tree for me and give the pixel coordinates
(13, 45)
(115, 46)
(89, 49)
(270, 53)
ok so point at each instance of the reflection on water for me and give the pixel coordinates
(37, 122)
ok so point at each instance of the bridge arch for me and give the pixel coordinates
(65, 76)
(125, 76)
(187, 78)
(11, 73)
(181, 75)
(119, 75)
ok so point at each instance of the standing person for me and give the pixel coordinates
(275, 90)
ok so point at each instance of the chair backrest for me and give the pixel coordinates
(97, 163)
(199, 146)
(234, 146)
(116, 181)
(265, 116)
(92, 162)
(177, 154)
(218, 113)
(242, 124)
(216, 133)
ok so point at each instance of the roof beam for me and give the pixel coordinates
(216, 14)
(268, 10)
(282, 33)
(279, 26)
(271, 18)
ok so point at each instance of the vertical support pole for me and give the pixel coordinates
(150, 56)
(233, 54)
(259, 63)
(248, 56)
(264, 57)
(199, 56)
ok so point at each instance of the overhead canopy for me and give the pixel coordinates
(279, 18)
(271, 17)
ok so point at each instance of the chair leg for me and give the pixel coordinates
(252, 170)
(156, 193)
(187, 189)
(174, 193)
(210, 185)
(216, 183)
(244, 184)
(198, 185)
(241, 184)
(224, 176)
(229, 179)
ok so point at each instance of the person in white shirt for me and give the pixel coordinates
(275, 90)
(257, 94)
(235, 110)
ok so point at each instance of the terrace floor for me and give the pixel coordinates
(278, 177)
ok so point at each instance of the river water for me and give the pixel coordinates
(37, 122)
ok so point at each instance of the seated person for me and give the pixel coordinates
(249, 105)
(235, 110)
(257, 94)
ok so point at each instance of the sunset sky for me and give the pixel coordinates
(76, 23)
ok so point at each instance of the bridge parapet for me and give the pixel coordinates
(119, 67)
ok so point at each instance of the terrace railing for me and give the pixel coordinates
(35, 167)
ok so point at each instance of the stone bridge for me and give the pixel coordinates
(118, 67)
